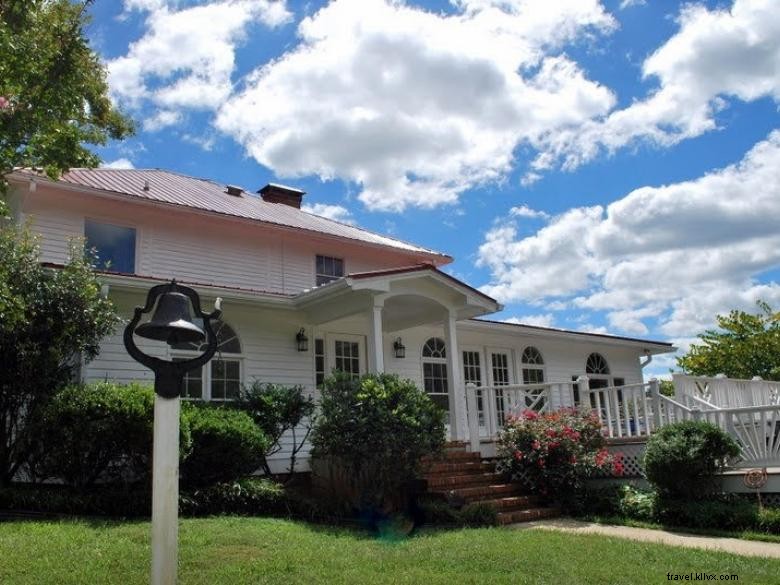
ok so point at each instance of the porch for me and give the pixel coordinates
(748, 410)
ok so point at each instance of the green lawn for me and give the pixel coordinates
(252, 550)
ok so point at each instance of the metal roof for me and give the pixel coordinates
(172, 188)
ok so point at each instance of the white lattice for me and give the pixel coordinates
(632, 457)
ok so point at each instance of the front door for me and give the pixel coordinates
(346, 353)
(473, 372)
(500, 375)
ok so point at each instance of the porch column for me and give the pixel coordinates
(376, 350)
(455, 389)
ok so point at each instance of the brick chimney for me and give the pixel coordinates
(273, 193)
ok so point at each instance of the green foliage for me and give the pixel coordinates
(57, 499)
(744, 345)
(244, 497)
(554, 453)
(277, 409)
(722, 513)
(479, 514)
(226, 445)
(437, 512)
(50, 320)
(377, 428)
(666, 387)
(98, 432)
(682, 459)
(768, 520)
(53, 90)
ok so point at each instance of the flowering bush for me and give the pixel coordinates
(554, 453)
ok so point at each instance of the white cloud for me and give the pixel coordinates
(187, 56)
(162, 119)
(541, 320)
(120, 163)
(631, 3)
(525, 211)
(335, 212)
(673, 255)
(717, 55)
(414, 106)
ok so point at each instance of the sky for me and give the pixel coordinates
(609, 166)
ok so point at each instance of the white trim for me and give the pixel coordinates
(139, 232)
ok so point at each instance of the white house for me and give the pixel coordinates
(356, 295)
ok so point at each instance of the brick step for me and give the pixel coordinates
(483, 492)
(461, 468)
(456, 481)
(513, 503)
(527, 515)
(453, 457)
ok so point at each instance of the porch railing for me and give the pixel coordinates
(629, 411)
(725, 392)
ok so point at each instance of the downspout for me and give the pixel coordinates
(645, 363)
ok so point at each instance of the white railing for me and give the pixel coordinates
(725, 392)
(630, 411)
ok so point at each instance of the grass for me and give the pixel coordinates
(624, 521)
(255, 550)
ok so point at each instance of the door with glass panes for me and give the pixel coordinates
(474, 373)
(500, 371)
(346, 353)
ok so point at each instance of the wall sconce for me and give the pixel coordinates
(302, 340)
(399, 348)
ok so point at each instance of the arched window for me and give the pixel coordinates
(533, 366)
(220, 379)
(434, 362)
(596, 364)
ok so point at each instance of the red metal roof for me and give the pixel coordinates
(176, 189)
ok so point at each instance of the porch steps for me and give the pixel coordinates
(461, 477)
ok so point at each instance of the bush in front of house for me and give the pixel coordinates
(376, 429)
(251, 496)
(102, 432)
(226, 445)
(553, 454)
(277, 409)
(682, 459)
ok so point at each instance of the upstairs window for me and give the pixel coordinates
(113, 244)
(328, 269)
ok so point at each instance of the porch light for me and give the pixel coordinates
(399, 348)
(302, 340)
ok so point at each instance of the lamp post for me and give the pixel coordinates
(171, 323)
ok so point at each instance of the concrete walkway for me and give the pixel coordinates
(731, 545)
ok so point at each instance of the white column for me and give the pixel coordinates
(376, 355)
(165, 490)
(455, 388)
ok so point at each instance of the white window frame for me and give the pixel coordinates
(118, 223)
(329, 276)
(482, 416)
(501, 406)
(527, 366)
(435, 360)
(206, 372)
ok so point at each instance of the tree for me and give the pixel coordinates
(50, 320)
(743, 346)
(53, 89)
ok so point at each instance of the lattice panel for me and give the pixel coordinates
(772, 500)
(632, 457)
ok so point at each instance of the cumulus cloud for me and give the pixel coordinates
(162, 119)
(541, 320)
(631, 3)
(120, 163)
(415, 107)
(334, 212)
(716, 56)
(670, 256)
(186, 58)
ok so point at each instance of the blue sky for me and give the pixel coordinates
(606, 166)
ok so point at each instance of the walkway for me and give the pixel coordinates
(730, 545)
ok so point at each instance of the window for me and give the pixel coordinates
(500, 371)
(220, 379)
(328, 269)
(347, 356)
(533, 373)
(113, 244)
(472, 373)
(596, 364)
(434, 358)
(319, 362)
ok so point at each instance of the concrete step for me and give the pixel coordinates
(438, 482)
(458, 468)
(527, 515)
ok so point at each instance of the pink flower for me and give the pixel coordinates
(573, 460)
(617, 468)
(529, 414)
(536, 445)
(5, 103)
(553, 445)
(540, 462)
(518, 455)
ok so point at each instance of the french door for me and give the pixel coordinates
(500, 374)
(346, 353)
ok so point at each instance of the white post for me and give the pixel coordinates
(583, 383)
(473, 416)
(454, 380)
(376, 355)
(165, 490)
(655, 397)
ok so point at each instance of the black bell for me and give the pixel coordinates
(172, 321)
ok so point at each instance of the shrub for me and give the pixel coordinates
(97, 432)
(247, 497)
(681, 459)
(226, 445)
(376, 428)
(722, 513)
(554, 453)
(768, 520)
(479, 514)
(58, 499)
(277, 409)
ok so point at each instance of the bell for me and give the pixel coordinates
(172, 321)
